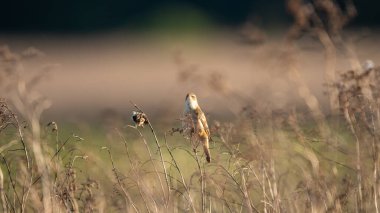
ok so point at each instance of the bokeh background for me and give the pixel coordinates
(98, 16)
(285, 99)
(111, 52)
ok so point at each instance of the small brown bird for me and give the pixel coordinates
(139, 118)
(199, 124)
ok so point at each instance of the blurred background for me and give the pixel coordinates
(108, 53)
(100, 16)
(281, 82)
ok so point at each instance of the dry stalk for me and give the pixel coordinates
(375, 157)
(245, 192)
(203, 183)
(126, 194)
(154, 166)
(2, 193)
(183, 182)
(158, 147)
(139, 181)
(242, 188)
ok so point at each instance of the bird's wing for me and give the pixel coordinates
(202, 118)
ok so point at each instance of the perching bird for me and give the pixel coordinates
(198, 122)
(139, 118)
(368, 65)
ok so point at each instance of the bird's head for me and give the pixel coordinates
(368, 65)
(191, 100)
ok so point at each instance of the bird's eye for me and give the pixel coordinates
(193, 96)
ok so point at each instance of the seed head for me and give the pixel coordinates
(139, 118)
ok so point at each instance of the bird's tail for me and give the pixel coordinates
(206, 149)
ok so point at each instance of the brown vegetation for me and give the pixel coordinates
(296, 159)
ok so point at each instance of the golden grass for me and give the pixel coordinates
(264, 160)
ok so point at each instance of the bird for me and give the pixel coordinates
(368, 65)
(198, 123)
(139, 118)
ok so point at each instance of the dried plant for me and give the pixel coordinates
(297, 159)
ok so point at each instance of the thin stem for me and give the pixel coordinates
(159, 148)
(126, 194)
(153, 163)
(180, 173)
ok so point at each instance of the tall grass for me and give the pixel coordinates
(266, 160)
